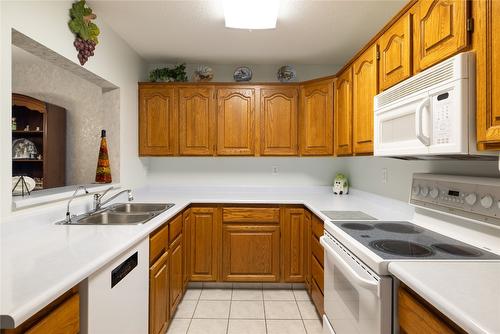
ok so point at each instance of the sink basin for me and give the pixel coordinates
(111, 218)
(140, 207)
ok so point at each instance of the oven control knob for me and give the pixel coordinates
(434, 192)
(471, 199)
(487, 201)
(424, 191)
(415, 190)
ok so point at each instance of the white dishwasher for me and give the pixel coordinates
(115, 299)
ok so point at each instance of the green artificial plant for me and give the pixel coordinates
(165, 74)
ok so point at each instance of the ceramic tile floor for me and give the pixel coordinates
(237, 310)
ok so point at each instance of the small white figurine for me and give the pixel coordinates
(340, 185)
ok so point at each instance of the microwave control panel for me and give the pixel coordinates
(471, 197)
(442, 118)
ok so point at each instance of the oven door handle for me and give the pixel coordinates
(372, 285)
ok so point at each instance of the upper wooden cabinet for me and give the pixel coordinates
(316, 118)
(278, 116)
(487, 46)
(343, 113)
(439, 31)
(204, 246)
(395, 53)
(196, 121)
(235, 121)
(365, 87)
(158, 120)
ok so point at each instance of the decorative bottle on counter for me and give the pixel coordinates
(103, 171)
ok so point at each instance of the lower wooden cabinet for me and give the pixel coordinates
(307, 250)
(176, 279)
(251, 253)
(186, 235)
(293, 244)
(159, 301)
(64, 319)
(415, 317)
(204, 250)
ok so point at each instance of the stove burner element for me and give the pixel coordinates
(458, 250)
(403, 248)
(398, 228)
(357, 226)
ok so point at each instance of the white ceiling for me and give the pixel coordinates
(308, 32)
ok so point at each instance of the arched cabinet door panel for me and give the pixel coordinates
(343, 113)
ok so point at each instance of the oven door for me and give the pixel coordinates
(404, 128)
(357, 301)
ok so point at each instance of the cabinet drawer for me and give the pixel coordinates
(317, 226)
(317, 250)
(317, 273)
(251, 215)
(64, 319)
(175, 228)
(317, 297)
(158, 243)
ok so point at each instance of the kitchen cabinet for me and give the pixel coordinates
(316, 118)
(416, 317)
(159, 298)
(317, 264)
(158, 120)
(307, 250)
(293, 244)
(251, 244)
(204, 248)
(251, 252)
(196, 120)
(364, 89)
(343, 114)
(186, 243)
(395, 53)
(439, 31)
(279, 117)
(176, 279)
(487, 47)
(235, 121)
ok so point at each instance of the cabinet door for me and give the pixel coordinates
(395, 56)
(204, 243)
(196, 121)
(157, 120)
(186, 242)
(343, 114)
(487, 46)
(176, 281)
(251, 253)
(63, 319)
(235, 121)
(365, 87)
(293, 244)
(307, 249)
(439, 31)
(278, 108)
(159, 305)
(316, 119)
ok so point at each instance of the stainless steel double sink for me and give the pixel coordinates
(122, 214)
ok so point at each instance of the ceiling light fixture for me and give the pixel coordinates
(251, 14)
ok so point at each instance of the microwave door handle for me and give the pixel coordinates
(419, 123)
(372, 285)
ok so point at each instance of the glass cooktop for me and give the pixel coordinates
(404, 240)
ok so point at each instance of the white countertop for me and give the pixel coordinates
(466, 292)
(39, 260)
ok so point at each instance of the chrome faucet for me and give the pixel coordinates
(68, 214)
(98, 203)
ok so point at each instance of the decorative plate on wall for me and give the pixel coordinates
(286, 73)
(242, 73)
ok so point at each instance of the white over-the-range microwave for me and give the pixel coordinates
(430, 115)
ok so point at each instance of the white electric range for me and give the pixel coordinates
(457, 218)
